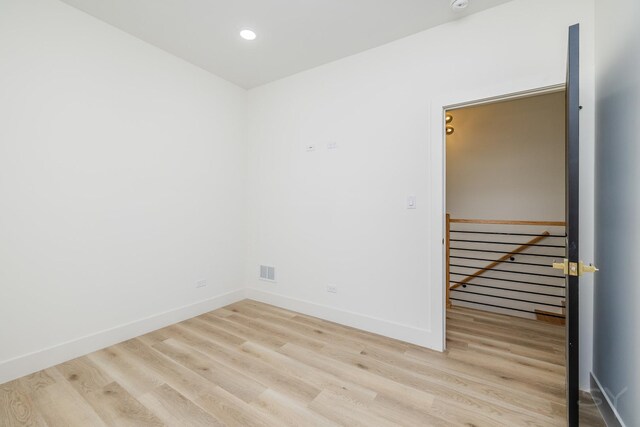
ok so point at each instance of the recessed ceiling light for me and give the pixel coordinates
(248, 34)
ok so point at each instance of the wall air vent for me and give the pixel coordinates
(267, 273)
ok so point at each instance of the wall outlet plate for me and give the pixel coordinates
(201, 283)
(332, 289)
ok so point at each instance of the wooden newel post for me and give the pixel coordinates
(448, 252)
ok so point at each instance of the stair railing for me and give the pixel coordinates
(525, 283)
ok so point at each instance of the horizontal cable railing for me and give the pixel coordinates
(506, 266)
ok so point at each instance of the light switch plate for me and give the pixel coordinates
(411, 202)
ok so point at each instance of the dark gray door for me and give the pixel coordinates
(572, 219)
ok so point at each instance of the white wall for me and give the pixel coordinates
(617, 293)
(339, 216)
(122, 182)
(506, 160)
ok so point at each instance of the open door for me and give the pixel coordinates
(572, 266)
(572, 218)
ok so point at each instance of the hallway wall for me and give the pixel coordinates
(506, 160)
(617, 291)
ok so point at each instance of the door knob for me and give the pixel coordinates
(587, 268)
(574, 268)
(564, 266)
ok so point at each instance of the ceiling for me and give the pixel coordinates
(293, 35)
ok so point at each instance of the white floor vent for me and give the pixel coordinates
(267, 273)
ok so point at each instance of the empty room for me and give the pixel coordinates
(328, 213)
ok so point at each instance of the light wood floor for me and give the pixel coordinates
(251, 364)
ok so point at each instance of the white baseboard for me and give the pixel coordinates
(407, 333)
(45, 358)
(607, 409)
(29, 363)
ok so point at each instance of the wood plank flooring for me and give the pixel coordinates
(252, 364)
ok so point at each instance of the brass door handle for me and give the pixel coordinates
(564, 266)
(587, 268)
(575, 268)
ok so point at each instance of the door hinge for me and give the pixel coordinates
(574, 268)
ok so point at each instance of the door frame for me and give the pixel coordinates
(438, 166)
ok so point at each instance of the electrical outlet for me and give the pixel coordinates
(201, 283)
(332, 289)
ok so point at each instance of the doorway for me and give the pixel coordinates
(505, 203)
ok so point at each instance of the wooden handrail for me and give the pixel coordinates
(504, 222)
(499, 260)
